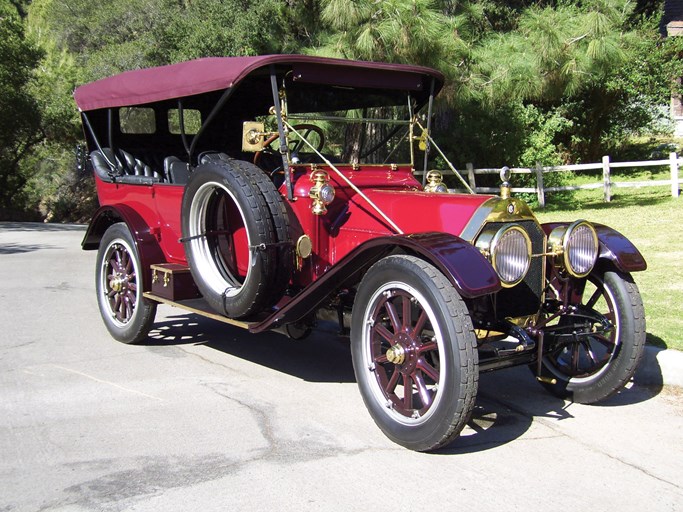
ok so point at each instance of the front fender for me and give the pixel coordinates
(615, 249)
(468, 271)
(146, 243)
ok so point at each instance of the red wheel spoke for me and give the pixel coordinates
(594, 298)
(118, 308)
(383, 332)
(129, 310)
(428, 347)
(393, 316)
(393, 381)
(604, 340)
(407, 393)
(407, 312)
(575, 358)
(425, 395)
(589, 351)
(431, 372)
(421, 322)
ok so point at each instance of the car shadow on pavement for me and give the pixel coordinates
(508, 401)
(322, 357)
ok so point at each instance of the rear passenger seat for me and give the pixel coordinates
(128, 168)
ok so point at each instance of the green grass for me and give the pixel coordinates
(653, 221)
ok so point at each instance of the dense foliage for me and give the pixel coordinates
(528, 80)
(20, 119)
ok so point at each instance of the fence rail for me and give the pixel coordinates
(607, 184)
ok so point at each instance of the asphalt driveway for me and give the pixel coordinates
(208, 417)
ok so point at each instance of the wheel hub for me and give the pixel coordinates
(403, 353)
(396, 354)
(117, 283)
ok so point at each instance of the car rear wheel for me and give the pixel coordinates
(414, 353)
(127, 315)
(595, 351)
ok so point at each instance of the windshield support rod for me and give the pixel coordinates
(429, 131)
(281, 132)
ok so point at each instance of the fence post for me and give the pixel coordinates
(673, 163)
(540, 190)
(606, 179)
(470, 176)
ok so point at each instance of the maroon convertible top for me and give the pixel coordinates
(216, 73)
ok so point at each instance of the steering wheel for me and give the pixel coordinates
(295, 146)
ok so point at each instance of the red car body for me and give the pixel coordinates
(432, 285)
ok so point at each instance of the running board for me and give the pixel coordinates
(199, 307)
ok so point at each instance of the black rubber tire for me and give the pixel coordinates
(284, 251)
(214, 187)
(127, 315)
(621, 292)
(447, 351)
(278, 214)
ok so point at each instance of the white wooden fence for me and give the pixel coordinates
(674, 162)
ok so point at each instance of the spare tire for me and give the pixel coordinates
(229, 239)
(284, 249)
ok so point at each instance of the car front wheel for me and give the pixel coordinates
(414, 353)
(595, 350)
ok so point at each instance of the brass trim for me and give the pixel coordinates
(546, 380)
(524, 321)
(496, 209)
(304, 247)
(435, 183)
(396, 354)
(320, 180)
(253, 136)
(487, 242)
(558, 241)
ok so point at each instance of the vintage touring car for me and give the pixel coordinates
(274, 192)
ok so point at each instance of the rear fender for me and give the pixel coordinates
(464, 266)
(146, 243)
(616, 250)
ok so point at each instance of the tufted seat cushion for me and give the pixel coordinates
(128, 168)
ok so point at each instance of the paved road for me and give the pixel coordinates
(206, 417)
